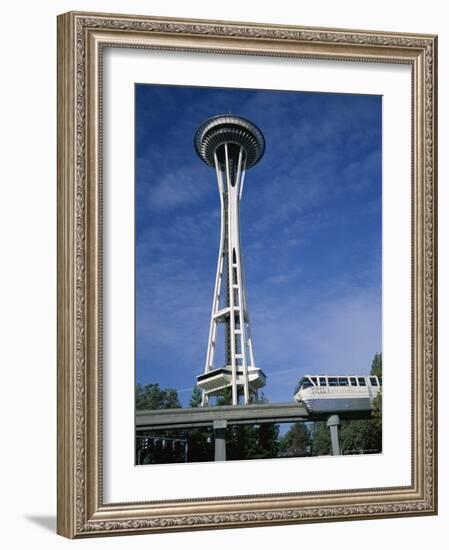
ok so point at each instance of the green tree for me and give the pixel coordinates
(360, 435)
(295, 442)
(225, 398)
(320, 439)
(252, 441)
(196, 398)
(365, 435)
(376, 412)
(376, 366)
(152, 396)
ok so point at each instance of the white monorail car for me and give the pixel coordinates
(334, 394)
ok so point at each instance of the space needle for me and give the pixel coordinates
(231, 145)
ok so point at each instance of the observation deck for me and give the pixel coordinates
(229, 129)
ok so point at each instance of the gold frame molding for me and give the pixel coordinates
(81, 37)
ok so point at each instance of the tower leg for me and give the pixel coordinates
(235, 395)
(204, 399)
(333, 422)
(220, 439)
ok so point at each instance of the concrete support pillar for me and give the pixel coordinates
(186, 449)
(333, 422)
(220, 439)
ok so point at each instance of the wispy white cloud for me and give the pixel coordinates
(333, 336)
(285, 276)
(174, 188)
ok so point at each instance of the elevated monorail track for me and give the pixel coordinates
(233, 414)
(220, 417)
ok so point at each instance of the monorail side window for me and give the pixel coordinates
(353, 381)
(332, 381)
(322, 381)
(343, 382)
(373, 380)
(314, 380)
(362, 381)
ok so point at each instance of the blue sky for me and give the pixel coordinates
(311, 234)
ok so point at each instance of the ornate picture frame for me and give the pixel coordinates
(82, 40)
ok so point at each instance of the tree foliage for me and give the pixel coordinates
(376, 413)
(295, 442)
(196, 398)
(152, 396)
(365, 435)
(376, 366)
(358, 436)
(252, 441)
(320, 439)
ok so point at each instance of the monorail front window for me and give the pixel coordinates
(303, 384)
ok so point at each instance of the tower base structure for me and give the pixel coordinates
(215, 381)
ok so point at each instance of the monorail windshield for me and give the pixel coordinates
(303, 384)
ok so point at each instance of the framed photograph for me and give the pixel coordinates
(246, 274)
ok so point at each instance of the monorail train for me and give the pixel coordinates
(334, 394)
